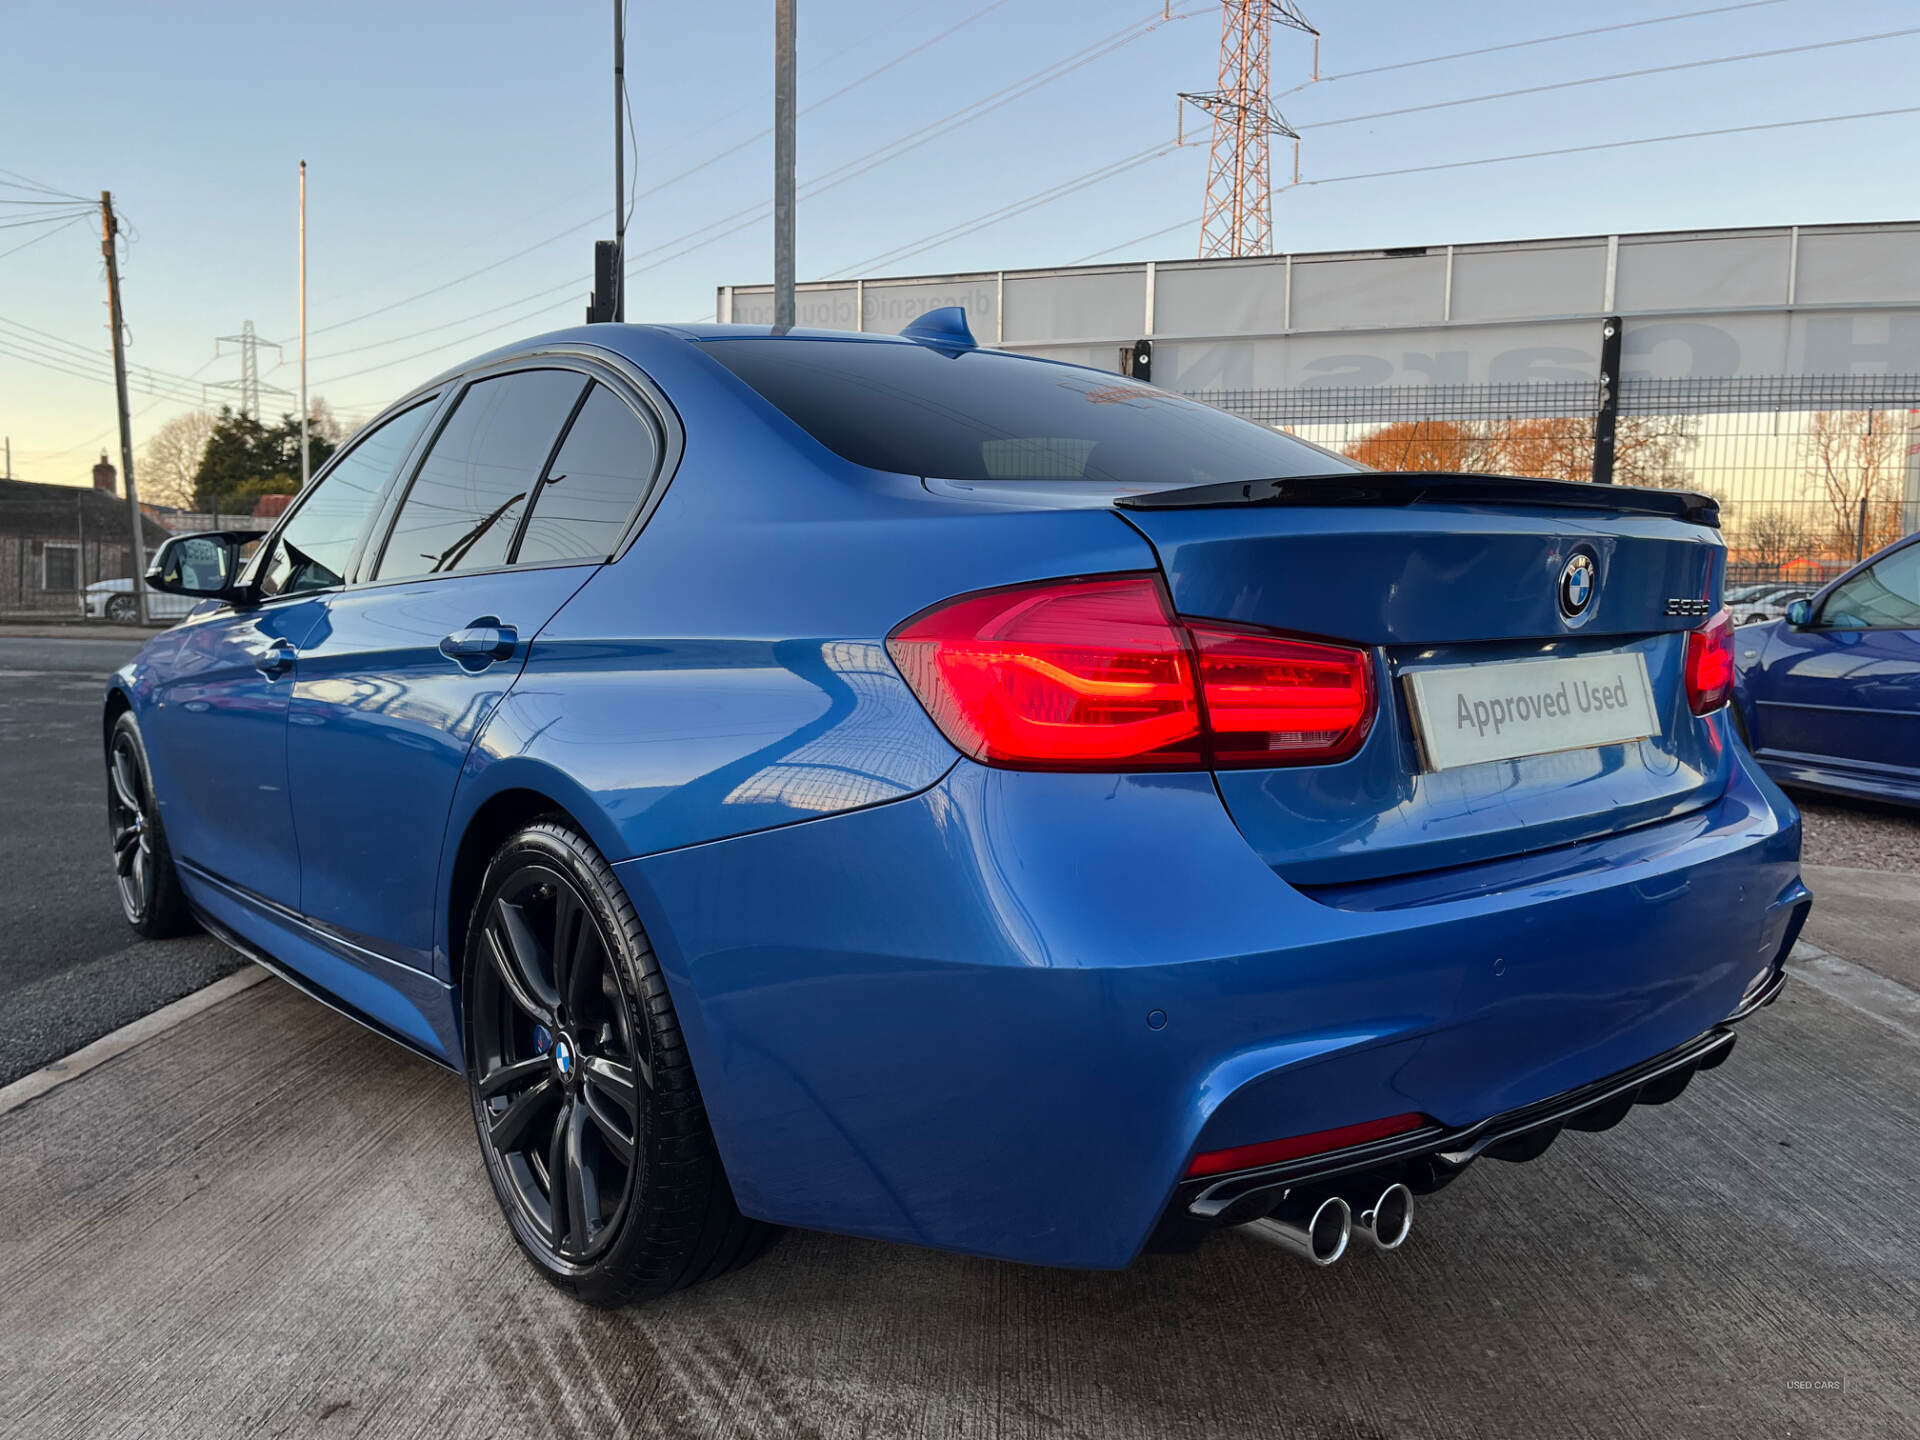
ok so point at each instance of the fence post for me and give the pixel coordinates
(1860, 536)
(1606, 413)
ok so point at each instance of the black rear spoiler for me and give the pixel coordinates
(1370, 487)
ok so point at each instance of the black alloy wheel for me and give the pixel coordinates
(558, 1060)
(588, 1115)
(150, 895)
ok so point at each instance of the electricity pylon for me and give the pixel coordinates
(248, 384)
(1239, 214)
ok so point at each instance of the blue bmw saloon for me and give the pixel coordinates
(1829, 697)
(890, 786)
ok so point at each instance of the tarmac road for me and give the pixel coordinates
(70, 969)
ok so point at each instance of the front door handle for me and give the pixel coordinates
(484, 641)
(276, 660)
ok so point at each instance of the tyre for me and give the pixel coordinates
(591, 1125)
(122, 610)
(149, 886)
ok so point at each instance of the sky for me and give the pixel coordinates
(461, 159)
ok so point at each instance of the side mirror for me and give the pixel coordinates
(203, 566)
(1799, 613)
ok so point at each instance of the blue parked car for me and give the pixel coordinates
(1829, 697)
(888, 786)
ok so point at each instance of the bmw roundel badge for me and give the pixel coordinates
(1578, 582)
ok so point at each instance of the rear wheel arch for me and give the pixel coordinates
(498, 817)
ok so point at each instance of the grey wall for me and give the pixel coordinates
(1811, 300)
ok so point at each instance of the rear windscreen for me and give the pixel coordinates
(986, 415)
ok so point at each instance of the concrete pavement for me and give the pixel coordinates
(1868, 915)
(268, 1221)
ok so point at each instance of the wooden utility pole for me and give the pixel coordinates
(117, 320)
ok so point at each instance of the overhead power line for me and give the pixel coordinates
(1137, 240)
(27, 182)
(71, 221)
(1538, 40)
(665, 184)
(1619, 75)
(859, 165)
(1613, 145)
(1007, 212)
(1093, 177)
(85, 353)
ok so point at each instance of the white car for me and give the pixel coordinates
(114, 600)
(1769, 605)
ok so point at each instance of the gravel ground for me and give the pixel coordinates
(1867, 837)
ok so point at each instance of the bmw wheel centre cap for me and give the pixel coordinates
(1579, 581)
(565, 1062)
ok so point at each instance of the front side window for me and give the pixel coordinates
(467, 500)
(983, 415)
(313, 551)
(1884, 596)
(594, 484)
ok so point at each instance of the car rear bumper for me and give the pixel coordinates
(1003, 1015)
(1434, 1155)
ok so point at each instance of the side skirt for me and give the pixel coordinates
(405, 1005)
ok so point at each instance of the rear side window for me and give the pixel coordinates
(594, 484)
(1885, 596)
(312, 552)
(984, 415)
(468, 498)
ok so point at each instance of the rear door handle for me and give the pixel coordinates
(276, 660)
(481, 643)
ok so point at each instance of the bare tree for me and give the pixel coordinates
(1855, 456)
(322, 422)
(1770, 538)
(171, 458)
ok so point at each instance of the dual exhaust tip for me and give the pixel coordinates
(1318, 1227)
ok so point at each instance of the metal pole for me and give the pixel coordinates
(1860, 538)
(783, 134)
(305, 463)
(115, 319)
(1607, 409)
(619, 160)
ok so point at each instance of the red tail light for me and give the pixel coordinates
(1710, 664)
(1270, 700)
(1099, 675)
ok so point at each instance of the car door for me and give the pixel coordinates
(484, 548)
(217, 728)
(1846, 687)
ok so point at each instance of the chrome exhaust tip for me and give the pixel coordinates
(1319, 1234)
(1389, 1220)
